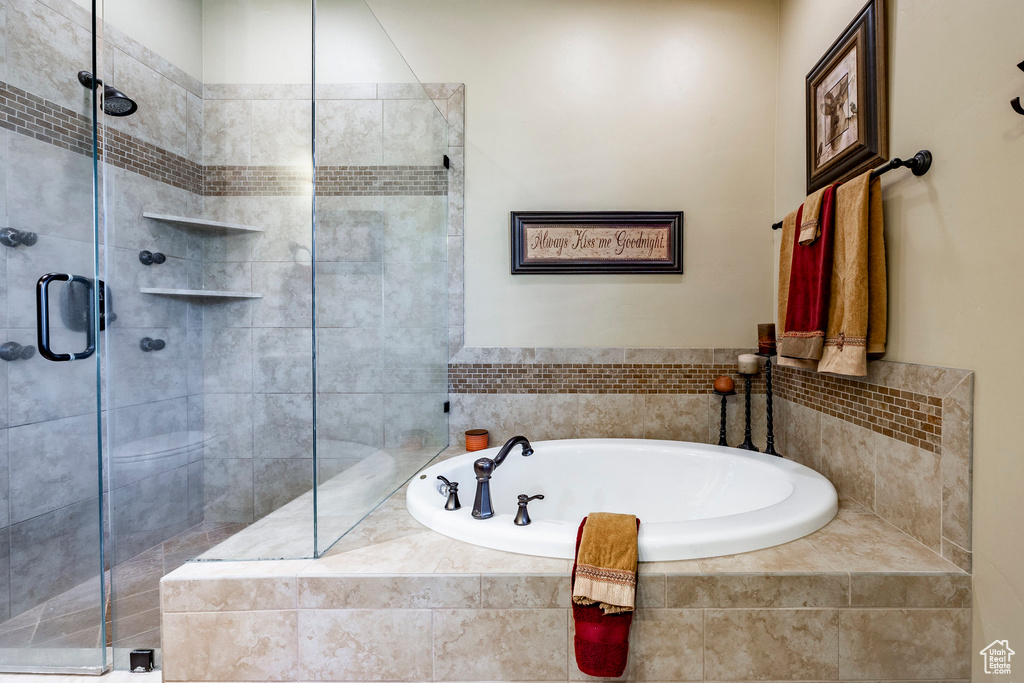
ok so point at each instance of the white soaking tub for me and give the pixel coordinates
(694, 500)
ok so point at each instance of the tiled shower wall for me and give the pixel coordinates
(382, 198)
(48, 438)
(897, 441)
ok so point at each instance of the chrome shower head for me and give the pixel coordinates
(115, 102)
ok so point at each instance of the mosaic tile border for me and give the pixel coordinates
(331, 181)
(907, 416)
(591, 378)
(36, 117)
(132, 154)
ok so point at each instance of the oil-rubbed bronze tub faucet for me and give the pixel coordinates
(484, 468)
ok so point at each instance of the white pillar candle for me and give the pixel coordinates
(748, 364)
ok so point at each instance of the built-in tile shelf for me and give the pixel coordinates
(200, 293)
(200, 223)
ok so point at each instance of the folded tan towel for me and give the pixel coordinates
(858, 314)
(606, 563)
(810, 223)
(785, 269)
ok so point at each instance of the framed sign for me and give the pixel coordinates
(597, 242)
(847, 107)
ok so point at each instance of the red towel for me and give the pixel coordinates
(810, 283)
(602, 640)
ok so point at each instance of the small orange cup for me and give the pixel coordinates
(476, 439)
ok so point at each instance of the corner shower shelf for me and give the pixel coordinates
(200, 223)
(200, 293)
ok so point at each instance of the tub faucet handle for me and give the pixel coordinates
(522, 515)
(453, 494)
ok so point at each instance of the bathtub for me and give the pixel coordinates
(694, 500)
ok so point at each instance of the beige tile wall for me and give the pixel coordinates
(925, 492)
(693, 416)
(515, 627)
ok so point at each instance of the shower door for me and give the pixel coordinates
(52, 598)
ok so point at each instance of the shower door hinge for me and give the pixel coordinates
(447, 162)
(447, 406)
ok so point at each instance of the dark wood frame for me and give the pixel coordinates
(671, 219)
(872, 147)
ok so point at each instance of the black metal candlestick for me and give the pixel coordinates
(748, 444)
(770, 448)
(721, 431)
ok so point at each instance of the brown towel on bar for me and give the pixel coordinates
(606, 563)
(785, 266)
(858, 314)
(810, 219)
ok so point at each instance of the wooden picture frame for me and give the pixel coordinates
(847, 102)
(581, 242)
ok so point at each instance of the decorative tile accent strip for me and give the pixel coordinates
(389, 181)
(46, 121)
(128, 152)
(910, 417)
(591, 378)
(259, 181)
(36, 117)
(332, 181)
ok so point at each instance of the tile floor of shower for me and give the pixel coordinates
(69, 620)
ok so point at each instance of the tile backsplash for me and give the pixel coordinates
(897, 441)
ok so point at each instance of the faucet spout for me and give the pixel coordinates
(484, 469)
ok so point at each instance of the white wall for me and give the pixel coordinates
(257, 41)
(171, 28)
(954, 236)
(270, 41)
(603, 105)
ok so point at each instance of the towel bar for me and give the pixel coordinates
(918, 165)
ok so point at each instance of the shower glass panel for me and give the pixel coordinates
(52, 596)
(216, 458)
(381, 269)
(154, 262)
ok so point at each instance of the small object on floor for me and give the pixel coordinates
(476, 439)
(140, 661)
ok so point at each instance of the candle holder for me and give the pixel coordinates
(748, 444)
(725, 399)
(770, 448)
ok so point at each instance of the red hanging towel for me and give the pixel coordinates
(810, 283)
(602, 640)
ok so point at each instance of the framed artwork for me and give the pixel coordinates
(597, 242)
(847, 105)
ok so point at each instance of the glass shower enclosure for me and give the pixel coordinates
(223, 253)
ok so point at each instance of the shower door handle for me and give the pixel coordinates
(43, 317)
